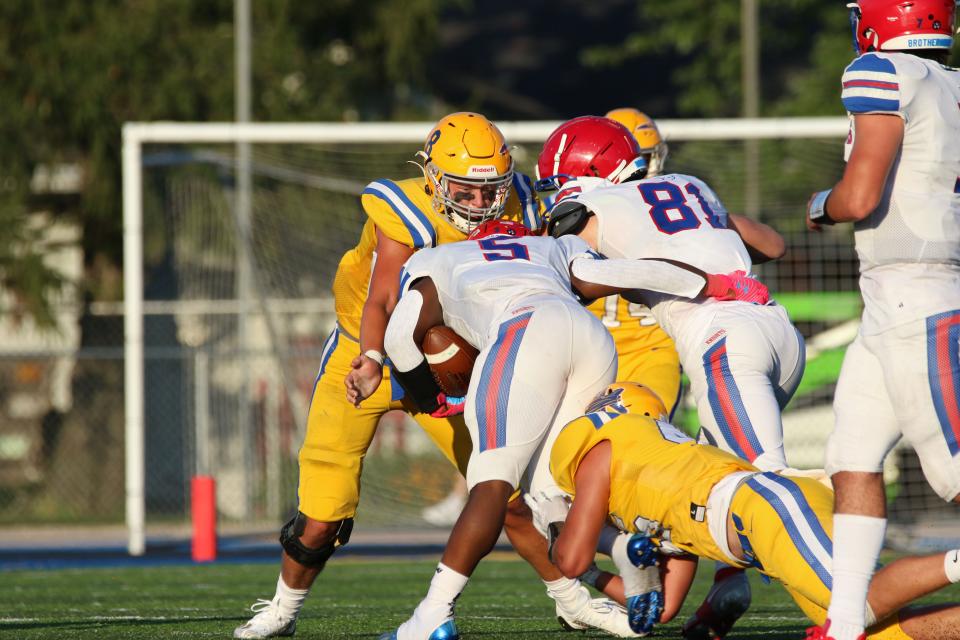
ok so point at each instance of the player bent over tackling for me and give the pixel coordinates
(744, 361)
(681, 497)
(511, 296)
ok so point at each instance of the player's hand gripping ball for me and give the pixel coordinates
(450, 358)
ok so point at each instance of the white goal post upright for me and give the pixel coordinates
(135, 135)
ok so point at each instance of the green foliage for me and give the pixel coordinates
(30, 282)
(73, 71)
(800, 72)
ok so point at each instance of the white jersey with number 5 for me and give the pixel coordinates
(542, 357)
(479, 280)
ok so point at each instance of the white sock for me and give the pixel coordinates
(564, 590)
(290, 601)
(445, 588)
(857, 541)
(618, 552)
(951, 565)
(437, 607)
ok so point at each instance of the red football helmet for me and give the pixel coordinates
(588, 146)
(899, 25)
(499, 228)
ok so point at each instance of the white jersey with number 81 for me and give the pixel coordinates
(674, 217)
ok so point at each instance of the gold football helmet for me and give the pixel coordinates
(630, 397)
(644, 129)
(468, 169)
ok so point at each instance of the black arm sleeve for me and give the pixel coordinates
(420, 385)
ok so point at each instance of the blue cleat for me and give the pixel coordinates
(446, 631)
(643, 611)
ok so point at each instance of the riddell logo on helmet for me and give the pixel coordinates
(482, 170)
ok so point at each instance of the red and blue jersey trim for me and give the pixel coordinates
(493, 392)
(727, 404)
(943, 373)
(870, 84)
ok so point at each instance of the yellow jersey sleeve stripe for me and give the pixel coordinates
(799, 520)
(599, 418)
(421, 231)
(528, 203)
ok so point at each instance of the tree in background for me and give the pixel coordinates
(804, 47)
(73, 71)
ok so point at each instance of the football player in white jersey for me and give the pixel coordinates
(744, 360)
(901, 190)
(542, 358)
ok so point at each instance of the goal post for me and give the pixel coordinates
(802, 151)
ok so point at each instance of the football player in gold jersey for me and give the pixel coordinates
(688, 499)
(468, 177)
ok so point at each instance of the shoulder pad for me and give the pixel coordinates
(397, 216)
(567, 217)
(871, 85)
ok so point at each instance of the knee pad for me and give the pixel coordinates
(312, 557)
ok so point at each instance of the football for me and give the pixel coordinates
(450, 358)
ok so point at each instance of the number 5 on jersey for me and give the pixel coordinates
(502, 249)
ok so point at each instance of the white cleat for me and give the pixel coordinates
(267, 623)
(598, 613)
(445, 512)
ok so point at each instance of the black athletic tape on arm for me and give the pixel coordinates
(420, 385)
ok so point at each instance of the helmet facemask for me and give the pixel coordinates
(656, 159)
(855, 16)
(448, 201)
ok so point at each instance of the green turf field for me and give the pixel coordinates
(355, 599)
